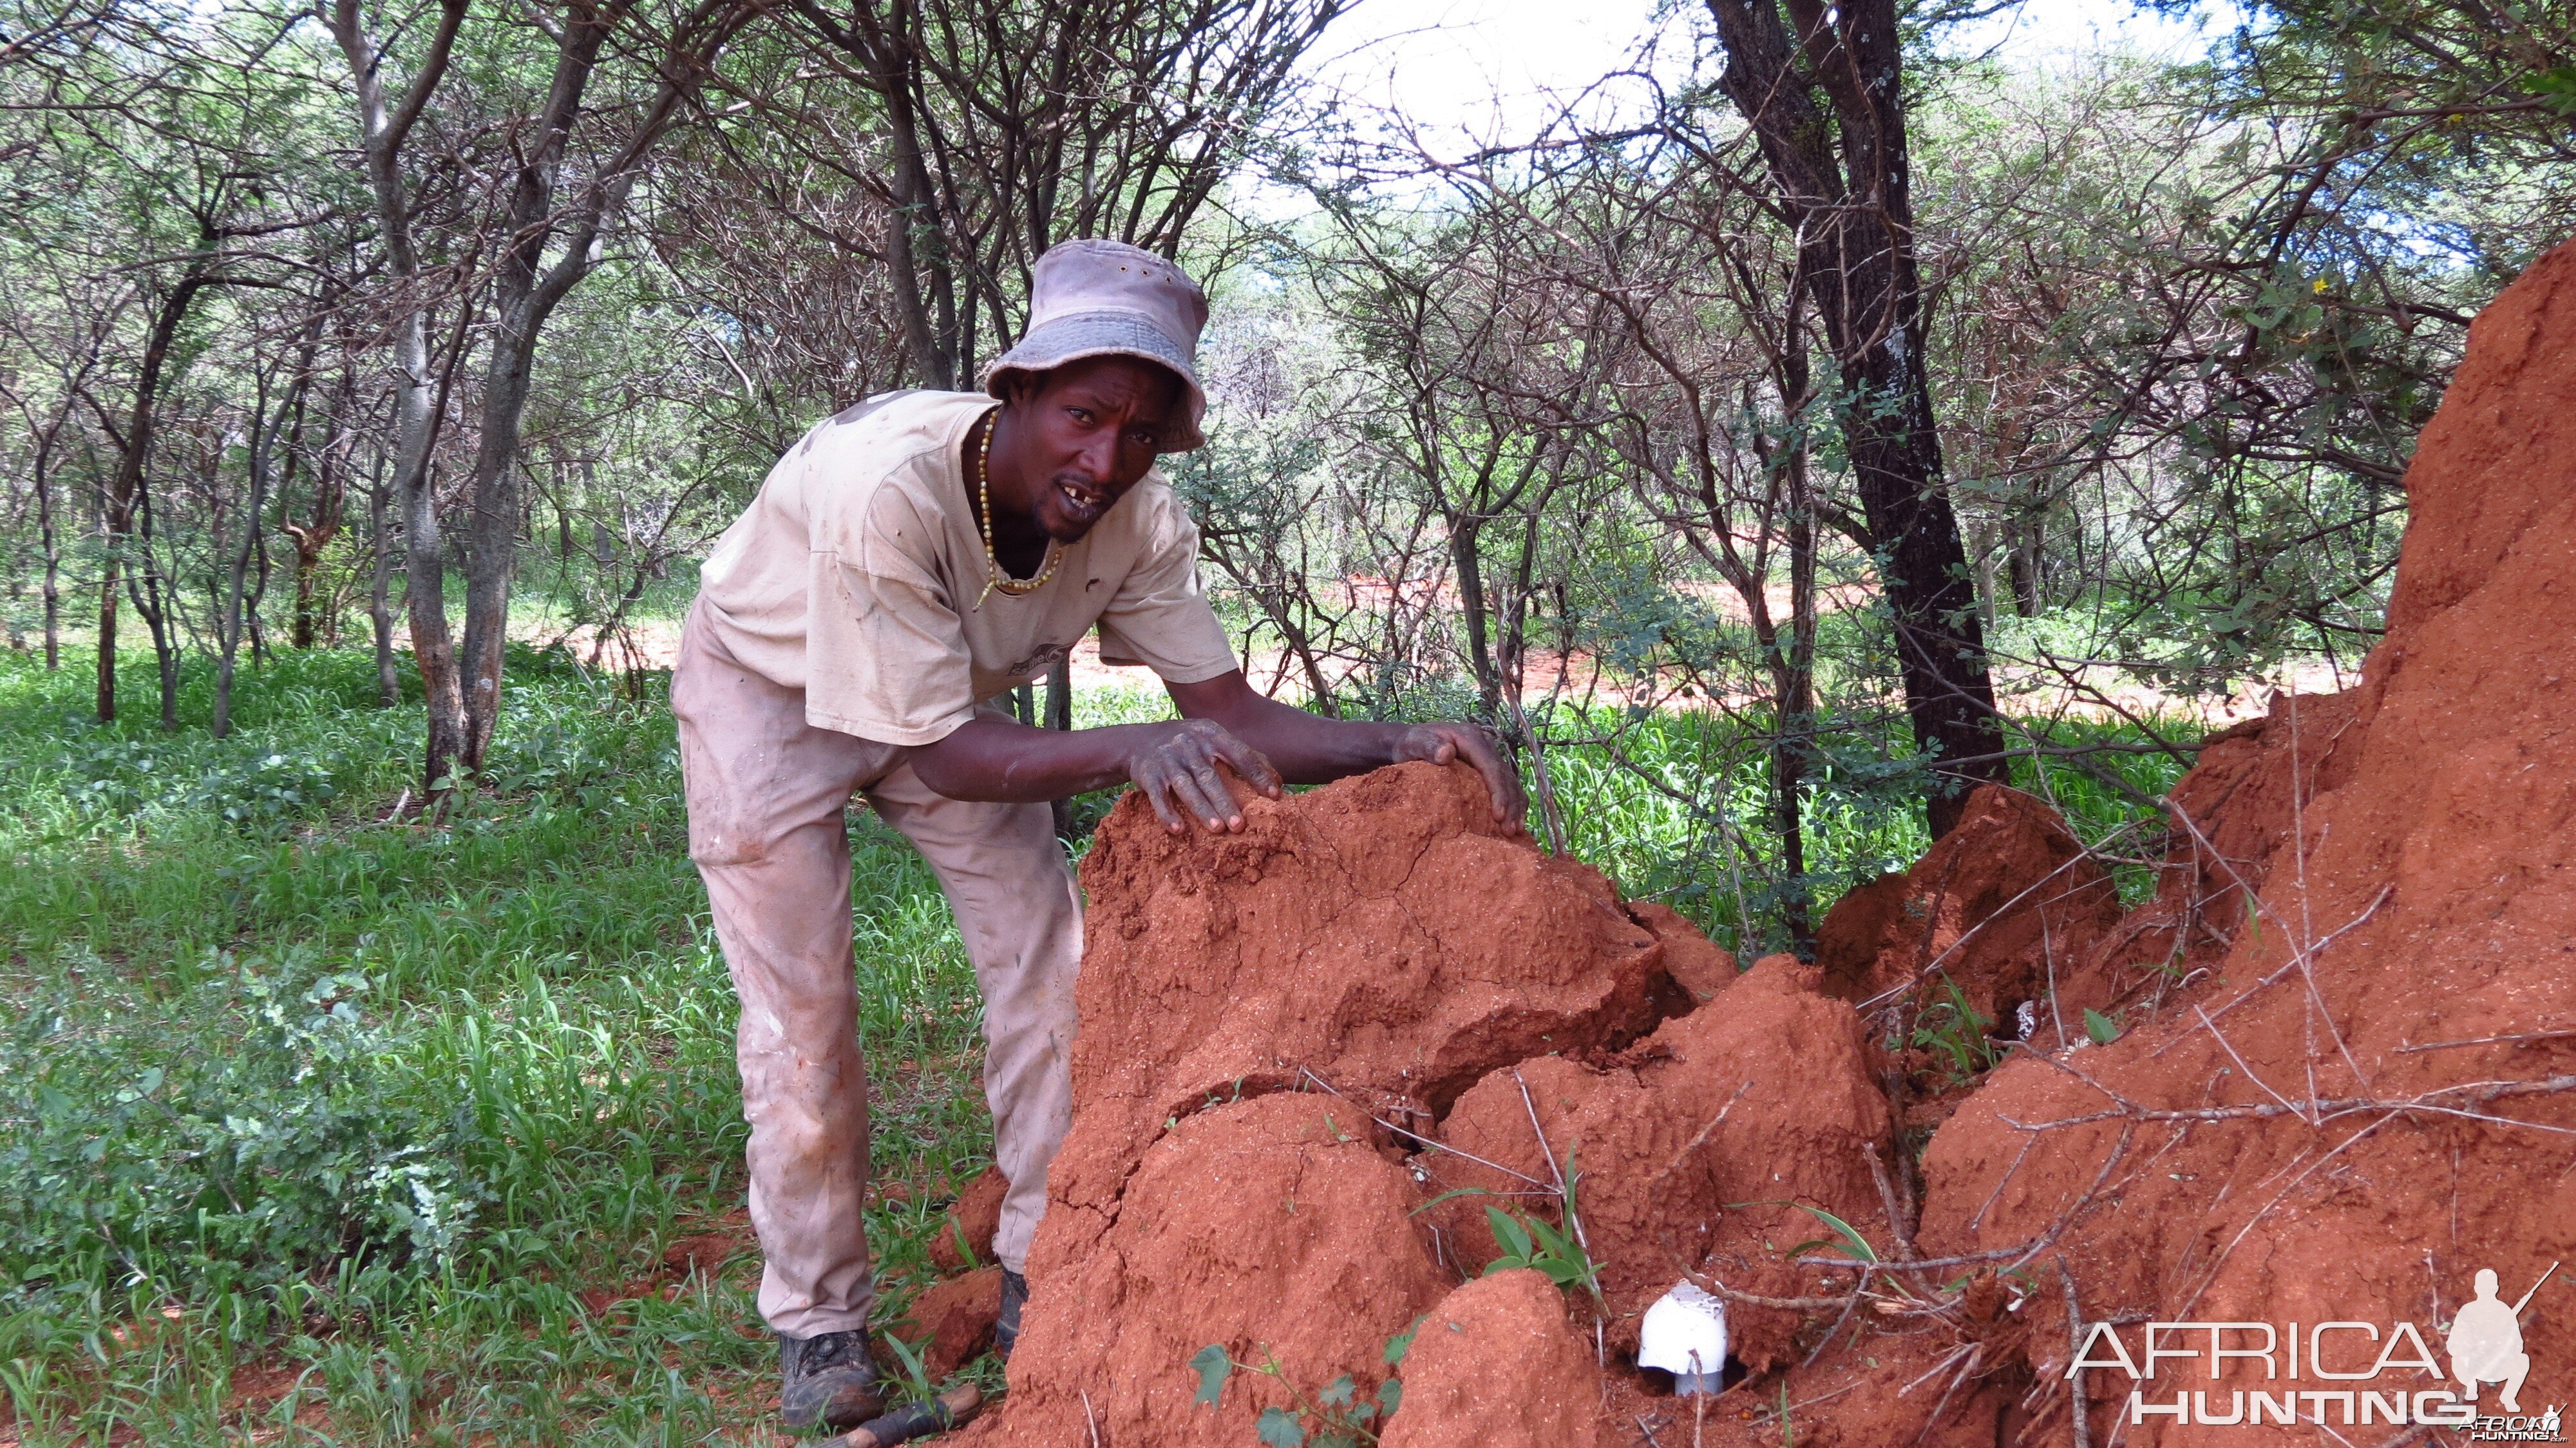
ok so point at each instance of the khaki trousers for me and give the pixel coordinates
(767, 796)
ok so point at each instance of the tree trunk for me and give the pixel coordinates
(2028, 586)
(1471, 602)
(492, 530)
(236, 574)
(524, 296)
(1793, 670)
(53, 549)
(417, 391)
(125, 487)
(1794, 718)
(144, 589)
(563, 515)
(322, 528)
(380, 613)
(1850, 207)
(308, 560)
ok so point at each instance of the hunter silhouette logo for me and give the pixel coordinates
(2486, 1341)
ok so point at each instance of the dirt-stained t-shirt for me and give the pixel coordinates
(855, 576)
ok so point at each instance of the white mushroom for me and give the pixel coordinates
(1685, 1334)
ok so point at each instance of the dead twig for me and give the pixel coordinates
(1976, 1352)
(2074, 1351)
(1565, 1194)
(2225, 1045)
(1897, 1224)
(2512, 1040)
(1696, 1141)
(1427, 1141)
(2335, 1107)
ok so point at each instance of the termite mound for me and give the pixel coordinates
(2342, 1079)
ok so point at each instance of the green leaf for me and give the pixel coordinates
(1279, 1428)
(1341, 1392)
(913, 1367)
(1853, 1244)
(2558, 87)
(2100, 1027)
(1390, 1394)
(1514, 1239)
(1551, 1242)
(1214, 1366)
(1400, 1344)
(1444, 1196)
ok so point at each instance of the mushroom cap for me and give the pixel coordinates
(1684, 1332)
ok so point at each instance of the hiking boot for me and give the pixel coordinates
(1006, 1328)
(827, 1381)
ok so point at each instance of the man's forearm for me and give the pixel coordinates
(1307, 748)
(998, 760)
(1180, 765)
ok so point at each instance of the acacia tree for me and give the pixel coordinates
(1822, 86)
(572, 160)
(386, 121)
(69, 341)
(1006, 129)
(1715, 425)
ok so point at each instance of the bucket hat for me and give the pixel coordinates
(1095, 297)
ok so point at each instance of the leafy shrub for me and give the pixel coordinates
(263, 1143)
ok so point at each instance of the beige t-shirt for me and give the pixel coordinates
(855, 574)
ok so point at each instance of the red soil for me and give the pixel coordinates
(952, 1323)
(2337, 1101)
(1686, 1149)
(2424, 897)
(1496, 1362)
(1277, 1227)
(2002, 906)
(966, 1238)
(1263, 1015)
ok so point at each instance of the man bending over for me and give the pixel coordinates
(907, 563)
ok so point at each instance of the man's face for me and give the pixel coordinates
(1082, 436)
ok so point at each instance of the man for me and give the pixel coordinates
(904, 565)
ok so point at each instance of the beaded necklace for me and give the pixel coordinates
(994, 577)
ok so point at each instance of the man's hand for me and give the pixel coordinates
(1175, 767)
(1311, 750)
(1445, 743)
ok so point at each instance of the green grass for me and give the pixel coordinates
(374, 1104)
(318, 1127)
(1687, 817)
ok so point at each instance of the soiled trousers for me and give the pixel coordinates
(767, 797)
